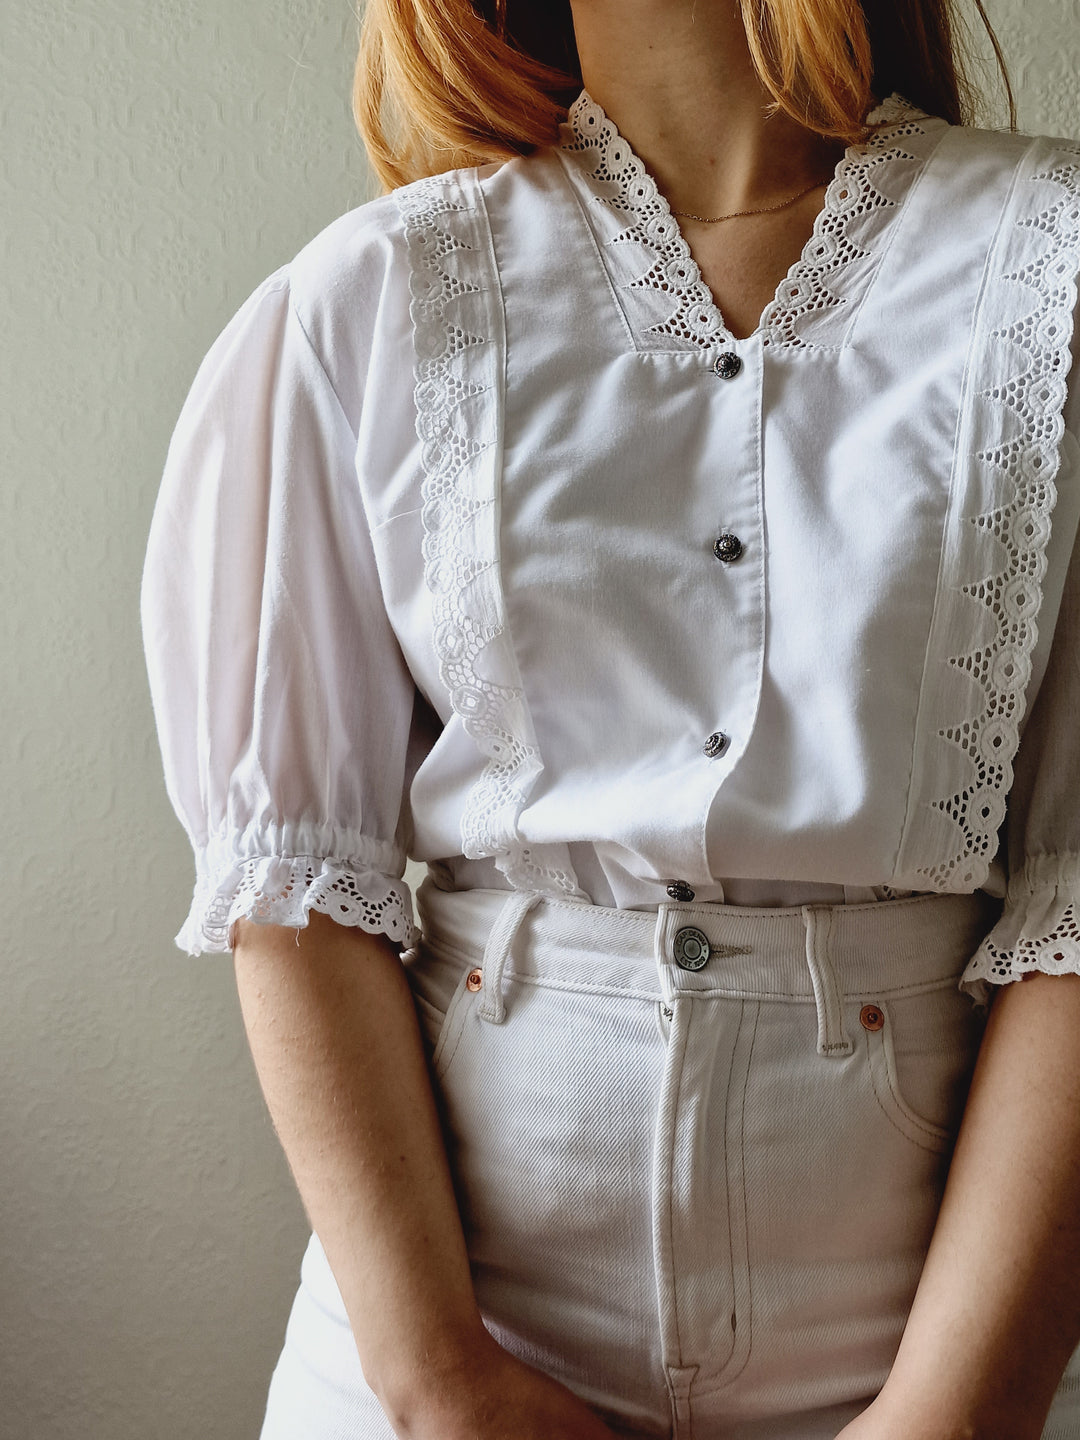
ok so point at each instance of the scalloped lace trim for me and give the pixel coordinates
(1039, 931)
(456, 332)
(813, 283)
(1057, 953)
(282, 890)
(1007, 521)
(456, 496)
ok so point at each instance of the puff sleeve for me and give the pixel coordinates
(282, 700)
(1039, 928)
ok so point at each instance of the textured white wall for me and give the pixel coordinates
(159, 159)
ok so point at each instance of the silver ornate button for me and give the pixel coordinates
(727, 365)
(680, 890)
(691, 948)
(716, 744)
(727, 548)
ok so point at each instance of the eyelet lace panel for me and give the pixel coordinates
(458, 335)
(843, 231)
(1039, 929)
(817, 282)
(980, 650)
(284, 889)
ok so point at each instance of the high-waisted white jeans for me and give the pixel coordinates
(699, 1154)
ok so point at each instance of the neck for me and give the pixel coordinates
(677, 79)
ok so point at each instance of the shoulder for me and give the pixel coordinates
(350, 280)
(376, 243)
(353, 285)
(1020, 193)
(1006, 157)
(327, 298)
(351, 261)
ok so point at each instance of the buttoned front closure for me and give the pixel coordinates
(583, 587)
(576, 590)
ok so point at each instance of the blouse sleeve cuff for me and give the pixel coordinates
(1039, 929)
(284, 889)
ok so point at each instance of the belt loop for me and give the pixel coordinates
(497, 951)
(827, 995)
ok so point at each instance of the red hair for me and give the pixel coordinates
(445, 83)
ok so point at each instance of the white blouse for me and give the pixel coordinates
(482, 541)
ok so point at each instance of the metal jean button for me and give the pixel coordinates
(690, 948)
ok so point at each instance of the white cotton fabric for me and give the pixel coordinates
(432, 570)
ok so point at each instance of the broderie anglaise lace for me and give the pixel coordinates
(1039, 929)
(1056, 953)
(457, 331)
(814, 282)
(278, 890)
(1006, 494)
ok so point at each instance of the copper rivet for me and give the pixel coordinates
(475, 979)
(871, 1018)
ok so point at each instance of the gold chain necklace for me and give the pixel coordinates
(738, 214)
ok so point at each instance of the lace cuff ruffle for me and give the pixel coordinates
(1039, 928)
(284, 889)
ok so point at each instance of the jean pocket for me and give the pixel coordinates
(438, 976)
(920, 1050)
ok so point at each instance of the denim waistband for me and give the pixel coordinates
(817, 953)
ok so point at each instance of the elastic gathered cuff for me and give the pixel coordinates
(1039, 929)
(284, 889)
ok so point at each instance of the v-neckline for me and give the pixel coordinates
(626, 185)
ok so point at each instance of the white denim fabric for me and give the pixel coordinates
(432, 571)
(699, 1198)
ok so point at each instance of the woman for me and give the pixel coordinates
(679, 593)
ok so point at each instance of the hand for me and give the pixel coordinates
(502, 1398)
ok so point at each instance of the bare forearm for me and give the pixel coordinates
(997, 1313)
(338, 1051)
